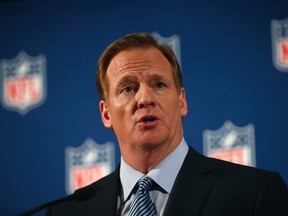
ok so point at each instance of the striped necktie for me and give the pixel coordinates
(142, 204)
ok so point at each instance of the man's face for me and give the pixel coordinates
(143, 105)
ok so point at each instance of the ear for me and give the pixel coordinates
(183, 103)
(104, 110)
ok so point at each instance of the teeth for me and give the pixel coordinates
(148, 120)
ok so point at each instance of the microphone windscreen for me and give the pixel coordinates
(84, 193)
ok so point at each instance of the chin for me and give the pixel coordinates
(150, 142)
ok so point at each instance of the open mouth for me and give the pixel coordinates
(147, 119)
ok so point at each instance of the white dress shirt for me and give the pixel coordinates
(164, 174)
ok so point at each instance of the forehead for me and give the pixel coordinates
(136, 60)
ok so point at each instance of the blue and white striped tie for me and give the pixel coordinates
(142, 204)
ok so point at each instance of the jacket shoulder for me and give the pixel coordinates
(106, 192)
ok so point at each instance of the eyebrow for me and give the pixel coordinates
(132, 78)
(126, 78)
(156, 77)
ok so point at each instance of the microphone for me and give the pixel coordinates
(79, 195)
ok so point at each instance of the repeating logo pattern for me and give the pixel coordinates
(280, 44)
(23, 82)
(88, 163)
(231, 143)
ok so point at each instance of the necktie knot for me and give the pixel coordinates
(145, 183)
(141, 204)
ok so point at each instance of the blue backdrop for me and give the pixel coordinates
(227, 63)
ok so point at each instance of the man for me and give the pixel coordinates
(143, 100)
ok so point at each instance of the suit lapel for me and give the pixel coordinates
(105, 201)
(189, 193)
(192, 186)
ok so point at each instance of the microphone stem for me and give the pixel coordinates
(45, 205)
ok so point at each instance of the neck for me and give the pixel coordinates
(145, 158)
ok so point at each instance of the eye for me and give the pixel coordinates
(159, 85)
(127, 89)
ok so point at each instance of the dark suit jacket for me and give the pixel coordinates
(204, 186)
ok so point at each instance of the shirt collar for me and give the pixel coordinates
(164, 173)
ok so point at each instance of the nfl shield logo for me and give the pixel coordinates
(23, 82)
(173, 42)
(88, 163)
(231, 143)
(280, 44)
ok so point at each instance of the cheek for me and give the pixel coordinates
(175, 110)
(125, 104)
(121, 104)
(120, 101)
(119, 111)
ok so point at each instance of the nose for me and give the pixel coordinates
(145, 98)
